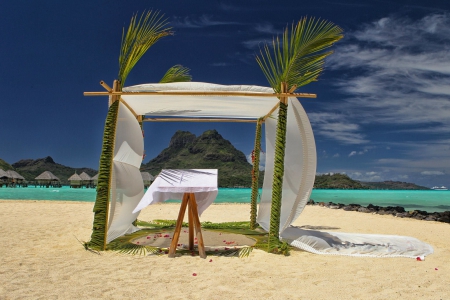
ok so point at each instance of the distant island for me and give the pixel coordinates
(344, 182)
(207, 151)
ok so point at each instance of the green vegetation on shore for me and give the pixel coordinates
(343, 181)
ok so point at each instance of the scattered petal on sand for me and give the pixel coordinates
(194, 274)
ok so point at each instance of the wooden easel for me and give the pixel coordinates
(194, 224)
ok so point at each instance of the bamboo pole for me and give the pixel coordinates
(271, 111)
(103, 84)
(115, 94)
(129, 107)
(188, 93)
(197, 120)
(255, 175)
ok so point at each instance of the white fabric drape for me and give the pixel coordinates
(299, 166)
(127, 185)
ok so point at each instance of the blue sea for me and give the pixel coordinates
(428, 200)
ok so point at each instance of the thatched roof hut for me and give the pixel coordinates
(75, 180)
(3, 174)
(47, 176)
(14, 175)
(147, 178)
(85, 177)
(75, 177)
(95, 179)
(48, 179)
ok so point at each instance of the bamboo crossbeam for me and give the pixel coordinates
(271, 111)
(198, 120)
(188, 93)
(103, 84)
(129, 107)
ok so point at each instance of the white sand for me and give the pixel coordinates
(41, 259)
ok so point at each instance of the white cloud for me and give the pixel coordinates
(256, 43)
(352, 153)
(267, 28)
(220, 64)
(336, 155)
(368, 176)
(200, 22)
(432, 173)
(402, 73)
(334, 126)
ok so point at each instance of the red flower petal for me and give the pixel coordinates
(194, 274)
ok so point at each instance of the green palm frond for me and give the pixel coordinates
(101, 206)
(298, 58)
(245, 252)
(177, 73)
(141, 35)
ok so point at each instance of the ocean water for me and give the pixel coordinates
(427, 200)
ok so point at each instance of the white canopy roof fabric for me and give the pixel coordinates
(251, 107)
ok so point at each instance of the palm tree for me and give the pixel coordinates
(142, 33)
(292, 62)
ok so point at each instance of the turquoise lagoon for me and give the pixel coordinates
(428, 200)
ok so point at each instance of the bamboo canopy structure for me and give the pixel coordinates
(296, 61)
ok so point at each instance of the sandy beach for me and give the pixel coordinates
(42, 259)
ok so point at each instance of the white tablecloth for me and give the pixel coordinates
(171, 184)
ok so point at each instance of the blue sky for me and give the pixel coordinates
(383, 106)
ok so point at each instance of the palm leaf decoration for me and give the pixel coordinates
(177, 73)
(298, 58)
(142, 33)
(292, 62)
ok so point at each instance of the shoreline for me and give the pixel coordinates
(42, 258)
(396, 211)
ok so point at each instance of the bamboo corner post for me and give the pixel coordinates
(278, 175)
(115, 89)
(190, 203)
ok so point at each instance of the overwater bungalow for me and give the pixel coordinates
(3, 178)
(86, 180)
(75, 181)
(95, 180)
(47, 179)
(147, 178)
(14, 179)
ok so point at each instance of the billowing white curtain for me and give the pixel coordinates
(299, 166)
(127, 186)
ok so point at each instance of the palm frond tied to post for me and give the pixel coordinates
(142, 33)
(292, 62)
